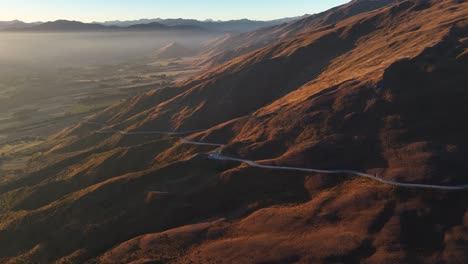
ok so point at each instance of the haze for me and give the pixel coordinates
(58, 77)
(56, 50)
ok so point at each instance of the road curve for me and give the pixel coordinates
(351, 172)
(216, 155)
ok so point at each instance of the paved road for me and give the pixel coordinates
(189, 142)
(216, 155)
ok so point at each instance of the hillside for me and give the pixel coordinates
(381, 92)
(174, 50)
(240, 44)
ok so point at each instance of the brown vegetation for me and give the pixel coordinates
(380, 91)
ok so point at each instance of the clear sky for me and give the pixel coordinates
(102, 10)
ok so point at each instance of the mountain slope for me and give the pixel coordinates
(237, 45)
(381, 92)
(174, 50)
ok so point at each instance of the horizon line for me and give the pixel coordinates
(138, 19)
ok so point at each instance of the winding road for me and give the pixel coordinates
(216, 155)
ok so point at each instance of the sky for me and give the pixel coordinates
(105, 10)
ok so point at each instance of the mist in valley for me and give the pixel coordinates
(50, 76)
(56, 50)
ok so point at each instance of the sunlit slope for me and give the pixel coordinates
(381, 92)
(231, 46)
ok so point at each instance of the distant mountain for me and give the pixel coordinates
(66, 25)
(159, 26)
(17, 24)
(128, 23)
(242, 25)
(152, 25)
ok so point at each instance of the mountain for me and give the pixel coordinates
(16, 24)
(236, 45)
(64, 25)
(381, 92)
(128, 23)
(159, 26)
(174, 50)
(151, 25)
(242, 25)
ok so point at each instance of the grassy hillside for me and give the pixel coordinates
(381, 92)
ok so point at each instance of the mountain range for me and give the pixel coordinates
(16, 24)
(198, 172)
(234, 45)
(243, 25)
(66, 26)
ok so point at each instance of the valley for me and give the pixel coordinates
(37, 102)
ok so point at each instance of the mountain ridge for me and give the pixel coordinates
(237, 45)
(66, 25)
(241, 25)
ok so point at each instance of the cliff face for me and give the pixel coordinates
(380, 91)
